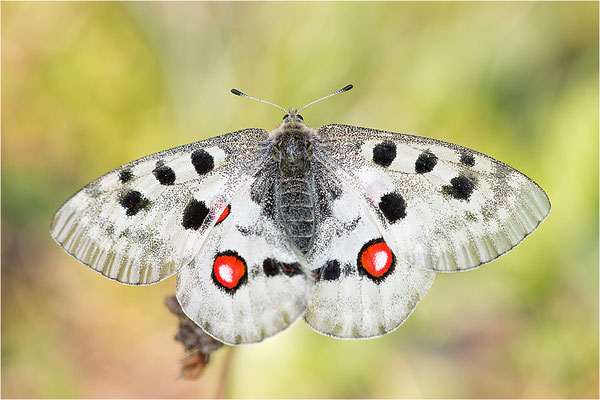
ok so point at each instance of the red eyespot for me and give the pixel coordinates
(224, 214)
(376, 258)
(229, 269)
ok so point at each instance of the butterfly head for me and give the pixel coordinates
(292, 117)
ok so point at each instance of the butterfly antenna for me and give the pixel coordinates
(238, 93)
(342, 90)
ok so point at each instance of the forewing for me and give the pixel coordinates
(364, 287)
(247, 283)
(447, 207)
(141, 222)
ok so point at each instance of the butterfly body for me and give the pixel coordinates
(294, 183)
(344, 226)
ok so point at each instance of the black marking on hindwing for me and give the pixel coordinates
(331, 271)
(133, 201)
(272, 267)
(194, 214)
(291, 269)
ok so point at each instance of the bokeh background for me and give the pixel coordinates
(89, 86)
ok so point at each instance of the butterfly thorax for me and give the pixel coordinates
(294, 184)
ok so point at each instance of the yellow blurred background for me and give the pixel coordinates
(89, 86)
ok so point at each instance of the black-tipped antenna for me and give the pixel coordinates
(342, 90)
(238, 93)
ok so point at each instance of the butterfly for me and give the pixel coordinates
(343, 226)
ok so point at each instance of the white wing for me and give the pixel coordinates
(246, 283)
(364, 286)
(447, 207)
(143, 221)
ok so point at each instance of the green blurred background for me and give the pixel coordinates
(87, 87)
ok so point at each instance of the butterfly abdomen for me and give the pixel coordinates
(296, 208)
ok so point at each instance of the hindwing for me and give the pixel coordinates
(364, 287)
(246, 283)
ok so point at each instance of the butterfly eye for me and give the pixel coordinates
(300, 116)
(285, 116)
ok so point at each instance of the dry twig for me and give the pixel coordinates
(198, 345)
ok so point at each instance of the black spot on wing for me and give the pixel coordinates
(125, 176)
(133, 201)
(273, 267)
(165, 175)
(202, 161)
(331, 271)
(270, 267)
(393, 207)
(194, 214)
(291, 269)
(384, 153)
(467, 159)
(425, 162)
(460, 188)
